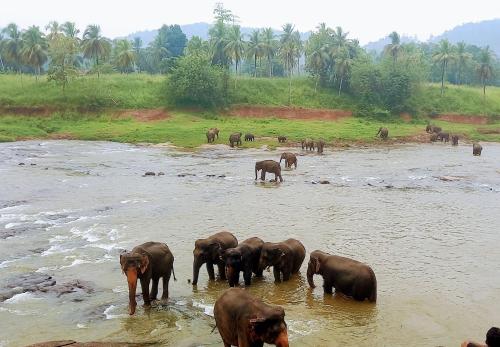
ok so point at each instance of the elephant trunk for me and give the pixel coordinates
(197, 263)
(230, 275)
(310, 274)
(132, 287)
(282, 339)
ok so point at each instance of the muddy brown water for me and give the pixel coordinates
(433, 243)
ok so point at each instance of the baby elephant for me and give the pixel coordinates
(245, 257)
(454, 140)
(320, 145)
(307, 144)
(210, 135)
(149, 261)
(347, 276)
(249, 137)
(442, 136)
(245, 321)
(290, 159)
(235, 138)
(383, 133)
(285, 258)
(268, 166)
(281, 139)
(477, 149)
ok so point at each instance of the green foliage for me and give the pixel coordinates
(195, 82)
(63, 50)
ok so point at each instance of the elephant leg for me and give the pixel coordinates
(286, 274)
(247, 276)
(154, 288)
(263, 175)
(281, 178)
(210, 270)
(166, 279)
(327, 287)
(222, 271)
(145, 291)
(277, 274)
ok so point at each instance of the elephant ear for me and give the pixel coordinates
(316, 260)
(144, 263)
(215, 249)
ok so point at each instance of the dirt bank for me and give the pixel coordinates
(288, 113)
(144, 115)
(461, 118)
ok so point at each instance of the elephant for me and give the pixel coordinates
(210, 135)
(492, 339)
(442, 136)
(249, 137)
(208, 251)
(235, 138)
(454, 140)
(436, 129)
(428, 128)
(268, 166)
(477, 149)
(434, 137)
(347, 276)
(320, 144)
(383, 132)
(246, 321)
(285, 258)
(244, 257)
(290, 159)
(216, 131)
(148, 261)
(308, 144)
(281, 139)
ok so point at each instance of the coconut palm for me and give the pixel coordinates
(235, 46)
(137, 48)
(218, 41)
(95, 46)
(69, 29)
(269, 47)
(2, 44)
(339, 37)
(394, 47)
(485, 67)
(317, 59)
(34, 51)
(54, 30)
(287, 53)
(13, 45)
(255, 48)
(462, 59)
(299, 48)
(125, 57)
(444, 55)
(343, 67)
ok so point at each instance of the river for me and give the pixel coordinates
(425, 217)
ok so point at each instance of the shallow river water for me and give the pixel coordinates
(434, 244)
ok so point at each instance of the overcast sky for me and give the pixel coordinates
(366, 20)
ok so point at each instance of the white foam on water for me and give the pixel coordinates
(302, 328)
(121, 289)
(133, 201)
(208, 310)
(11, 225)
(56, 249)
(113, 316)
(107, 247)
(21, 298)
(58, 238)
(417, 177)
(346, 178)
(44, 269)
(77, 262)
(6, 263)
(88, 235)
(81, 326)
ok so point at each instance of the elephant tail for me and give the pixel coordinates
(173, 272)
(373, 294)
(214, 328)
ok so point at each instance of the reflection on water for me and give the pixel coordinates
(424, 217)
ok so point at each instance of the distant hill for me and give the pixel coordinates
(196, 29)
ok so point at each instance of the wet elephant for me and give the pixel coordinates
(383, 133)
(477, 149)
(428, 128)
(207, 251)
(347, 276)
(436, 129)
(307, 144)
(244, 257)
(210, 136)
(235, 138)
(215, 130)
(433, 137)
(320, 145)
(268, 166)
(443, 136)
(249, 137)
(454, 140)
(245, 321)
(290, 159)
(285, 258)
(146, 262)
(281, 139)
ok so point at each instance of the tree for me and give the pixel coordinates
(298, 47)
(95, 46)
(343, 67)
(218, 41)
(485, 68)
(124, 55)
(255, 48)
(34, 50)
(462, 59)
(443, 56)
(69, 29)
(196, 46)
(13, 45)
(62, 52)
(235, 46)
(269, 47)
(287, 53)
(175, 40)
(2, 45)
(54, 30)
(394, 47)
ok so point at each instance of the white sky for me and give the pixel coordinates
(366, 20)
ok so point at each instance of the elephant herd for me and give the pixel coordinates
(243, 320)
(437, 134)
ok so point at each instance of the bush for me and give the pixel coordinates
(196, 82)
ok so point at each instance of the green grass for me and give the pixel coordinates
(188, 129)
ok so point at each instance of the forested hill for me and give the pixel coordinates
(379, 45)
(196, 29)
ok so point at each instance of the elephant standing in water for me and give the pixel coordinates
(383, 133)
(454, 140)
(268, 166)
(477, 149)
(249, 137)
(208, 251)
(347, 276)
(290, 159)
(281, 139)
(245, 321)
(148, 261)
(285, 258)
(307, 144)
(320, 144)
(210, 136)
(245, 257)
(235, 138)
(433, 137)
(442, 136)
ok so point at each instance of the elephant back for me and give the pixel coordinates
(298, 253)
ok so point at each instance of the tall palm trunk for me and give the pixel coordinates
(340, 85)
(1, 62)
(97, 64)
(270, 66)
(442, 77)
(255, 66)
(290, 86)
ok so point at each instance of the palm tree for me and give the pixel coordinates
(2, 44)
(443, 56)
(125, 57)
(218, 41)
(299, 48)
(394, 47)
(255, 48)
(269, 47)
(485, 67)
(13, 45)
(343, 67)
(287, 53)
(94, 45)
(317, 60)
(54, 30)
(462, 59)
(235, 46)
(69, 29)
(156, 52)
(340, 37)
(34, 51)
(137, 48)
